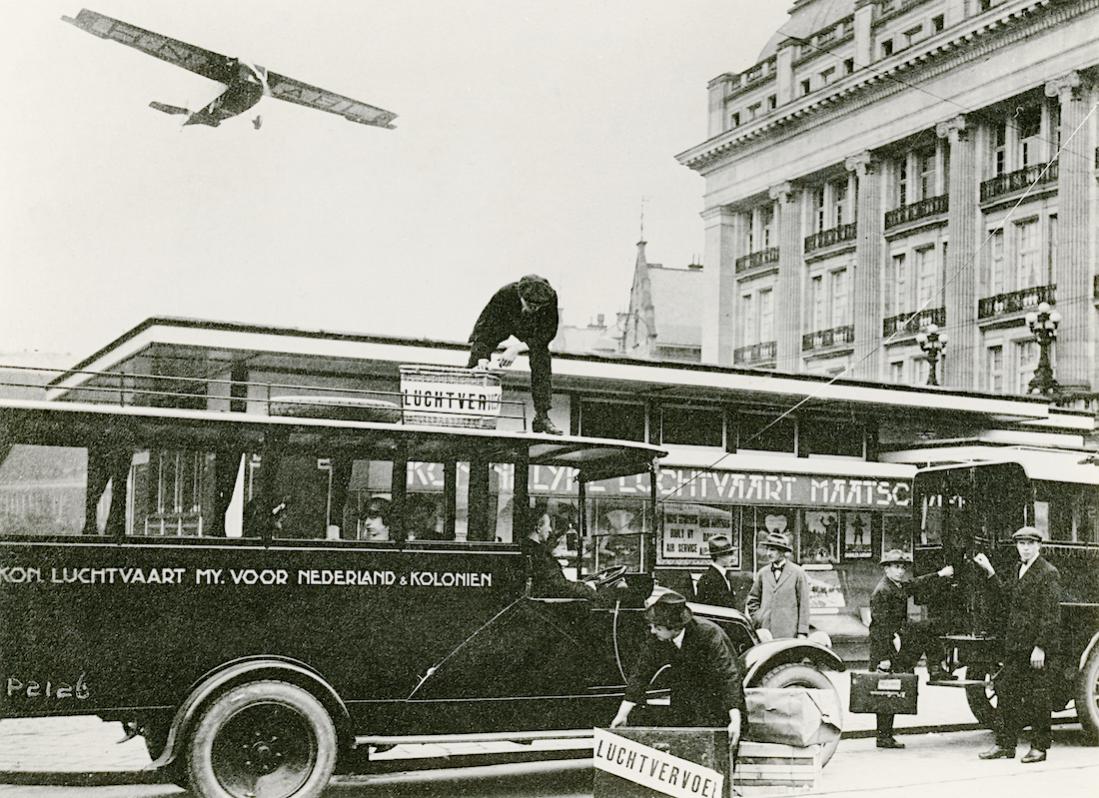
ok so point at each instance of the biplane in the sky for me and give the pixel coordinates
(245, 84)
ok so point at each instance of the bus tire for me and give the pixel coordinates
(1087, 696)
(982, 698)
(268, 738)
(796, 674)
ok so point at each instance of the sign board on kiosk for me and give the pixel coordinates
(655, 762)
(450, 397)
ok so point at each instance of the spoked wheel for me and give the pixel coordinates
(266, 739)
(1087, 696)
(982, 697)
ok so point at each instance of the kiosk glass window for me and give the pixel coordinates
(621, 420)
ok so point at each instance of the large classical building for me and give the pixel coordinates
(889, 164)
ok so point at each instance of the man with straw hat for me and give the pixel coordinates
(707, 687)
(889, 619)
(779, 598)
(1031, 592)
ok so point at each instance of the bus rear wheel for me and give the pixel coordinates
(1087, 696)
(796, 674)
(267, 739)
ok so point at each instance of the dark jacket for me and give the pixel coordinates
(547, 578)
(503, 316)
(1033, 607)
(714, 589)
(705, 678)
(889, 613)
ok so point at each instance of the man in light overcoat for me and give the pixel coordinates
(779, 598)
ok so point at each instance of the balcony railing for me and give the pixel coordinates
(913, 323)
(917, 210)
(756, 353)
(1018, 180)
(753, 260)
(1016, 301)
(826, 238)
(822, 339)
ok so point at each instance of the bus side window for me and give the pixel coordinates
(44, 491)
(462, 501)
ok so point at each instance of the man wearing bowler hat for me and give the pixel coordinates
(527, 311)
(714, 586)
(889, 618)
(1031, 592)
(707, 687)
(779, 598)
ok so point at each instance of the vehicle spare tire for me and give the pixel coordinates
(267, 738)
(797, 674)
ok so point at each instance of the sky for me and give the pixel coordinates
(530, 136)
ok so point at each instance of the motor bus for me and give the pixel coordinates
(265, 599)
(964, 509)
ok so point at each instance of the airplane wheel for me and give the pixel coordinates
(796, 674)
(267, 739)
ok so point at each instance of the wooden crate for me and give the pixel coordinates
(764, 769)
(708, 748)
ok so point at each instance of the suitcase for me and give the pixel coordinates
(882, 693)
(706, 751)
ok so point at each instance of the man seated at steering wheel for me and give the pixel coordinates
(547, 578)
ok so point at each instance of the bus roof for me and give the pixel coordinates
(1081, 467)
(594, 458)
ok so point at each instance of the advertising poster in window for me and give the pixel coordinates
(615, 526)
(688, 529)
(772, 520)
(857, 543)
(820, 537)
(826, 594)
(896, 533)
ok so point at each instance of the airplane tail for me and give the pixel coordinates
(169, 109)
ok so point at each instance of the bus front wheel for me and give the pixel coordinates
(982, 697)
(796, 674)
(266, 739)
(1087, 696)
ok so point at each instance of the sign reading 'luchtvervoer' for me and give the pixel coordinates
(656, 770)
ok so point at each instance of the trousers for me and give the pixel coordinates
(1023, 698)
(541, 370)
(917, 638)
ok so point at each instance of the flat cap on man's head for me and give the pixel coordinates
(536, 289)
(1028, 533)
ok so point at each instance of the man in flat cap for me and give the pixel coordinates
(779, 598)
(714, 586)
(527, 311)
(889, 618)
(1031, 592)
(707, 687)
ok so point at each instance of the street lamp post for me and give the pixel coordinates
(1043, 324)
(932, 342)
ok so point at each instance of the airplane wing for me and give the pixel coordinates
(312, 97)
(202, 62)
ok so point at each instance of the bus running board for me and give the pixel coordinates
(957, 683)
(479, 737)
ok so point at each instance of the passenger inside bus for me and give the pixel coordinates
(375, 522)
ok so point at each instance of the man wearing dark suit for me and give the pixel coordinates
(1032, 595)
(707, 687)
(527, 311)
(889, 617)
(713, 586)
(547, 578)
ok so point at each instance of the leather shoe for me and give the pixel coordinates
(1034, 755)
(997, 752)
(542, 423)
(889, 742)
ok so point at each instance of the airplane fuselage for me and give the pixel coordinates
(247, 89)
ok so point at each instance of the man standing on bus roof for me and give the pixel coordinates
(1031, 593)
(779, 598)
(707, 687)
(889, 618)
(527, 311)
(714, 586)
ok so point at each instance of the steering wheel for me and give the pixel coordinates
(608, 576)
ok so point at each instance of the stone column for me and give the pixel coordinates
(959, 366)
(864, 32)
(784, 71)
(719, 276)
(1072, 271)
(788, 309)
(869, 238)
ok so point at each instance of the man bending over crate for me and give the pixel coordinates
(527, 311)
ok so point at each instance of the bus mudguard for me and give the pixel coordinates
(246, 670)
(761, 658)
(1088, 649)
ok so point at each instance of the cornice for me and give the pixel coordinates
(964, 44)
